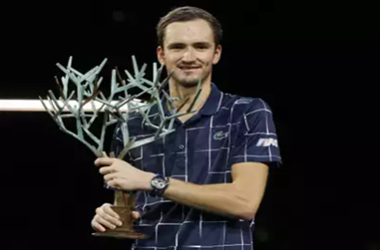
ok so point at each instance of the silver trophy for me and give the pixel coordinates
(87, 104)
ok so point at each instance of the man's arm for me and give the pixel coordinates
(241, 198)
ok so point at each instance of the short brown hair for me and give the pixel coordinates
(188, 13)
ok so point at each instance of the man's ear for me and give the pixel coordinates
(161, 54)
(217, 54)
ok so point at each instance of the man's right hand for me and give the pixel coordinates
(105, 218)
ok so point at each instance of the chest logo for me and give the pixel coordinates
(220, 135)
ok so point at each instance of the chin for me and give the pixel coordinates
(189, 84)
(189, 81)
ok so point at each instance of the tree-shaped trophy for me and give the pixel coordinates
(86, 104)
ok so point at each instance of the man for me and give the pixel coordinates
(214, 167)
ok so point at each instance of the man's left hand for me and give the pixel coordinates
(119, 174)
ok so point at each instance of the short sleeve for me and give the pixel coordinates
(256, 139)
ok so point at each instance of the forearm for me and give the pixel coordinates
(223, 199)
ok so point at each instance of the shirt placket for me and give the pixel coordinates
(179, 155)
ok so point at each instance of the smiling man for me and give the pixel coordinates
(202, 185)
(190, 51)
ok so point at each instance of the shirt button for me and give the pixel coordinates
(181, 146)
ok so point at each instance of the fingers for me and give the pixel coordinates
(96, 225)
(104, 222)
(108, 215)
(112, 213)
(108, 177)
(115, 183)
(110, 222)
(106, 170)
(136, 215)
(103, 161)
(105, 218)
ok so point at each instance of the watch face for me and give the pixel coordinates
(159, 183)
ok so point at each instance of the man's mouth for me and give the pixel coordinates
(189, 68)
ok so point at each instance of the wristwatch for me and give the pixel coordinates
(159, 184)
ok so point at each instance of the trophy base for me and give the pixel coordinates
(121, 234)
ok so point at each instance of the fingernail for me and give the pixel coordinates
(120, 224)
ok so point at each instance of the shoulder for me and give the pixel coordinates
(240, 106)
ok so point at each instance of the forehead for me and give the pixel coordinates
(189, 32)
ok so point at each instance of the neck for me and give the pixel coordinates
(182, 93)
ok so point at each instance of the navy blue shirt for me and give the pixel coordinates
(228, 129)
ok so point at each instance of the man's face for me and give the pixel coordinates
(189, 50)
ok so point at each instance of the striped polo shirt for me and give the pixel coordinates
(228, 129)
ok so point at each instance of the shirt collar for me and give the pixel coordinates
(212, 103)
(211, 106)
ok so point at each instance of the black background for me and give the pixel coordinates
(315, 63)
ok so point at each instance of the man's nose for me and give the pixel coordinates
(189, 55)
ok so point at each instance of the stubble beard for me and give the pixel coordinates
(190, 82)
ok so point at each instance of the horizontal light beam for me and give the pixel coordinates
(20, 105)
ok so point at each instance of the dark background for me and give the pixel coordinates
(315, 63)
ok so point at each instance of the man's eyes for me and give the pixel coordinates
(201, 47)
(177, 47)
(196, 46)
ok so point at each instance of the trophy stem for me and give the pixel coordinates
(119, 199)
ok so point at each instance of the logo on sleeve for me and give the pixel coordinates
(266, 142)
